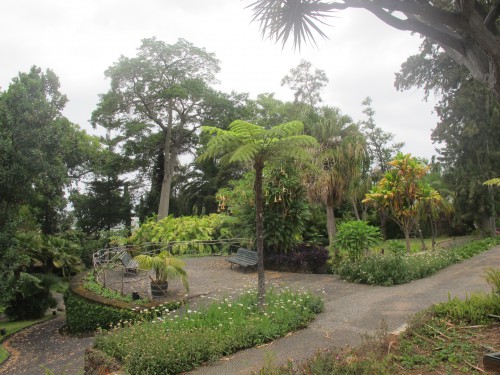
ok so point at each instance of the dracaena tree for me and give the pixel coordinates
(467, 30)
(257, 146)
(337, 161)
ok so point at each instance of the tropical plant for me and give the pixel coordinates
(31, 296)
(164, 267)
(249, 143)
(400, 192)
(356, 237)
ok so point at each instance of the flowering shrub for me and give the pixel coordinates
(175, 343)
(396, 268)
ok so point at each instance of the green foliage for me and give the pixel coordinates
(40, 148)
(469, 152)
(493, 278)
(186, 229)
(174, 344)
(84, 315)
(393, 269)
(51, 251)
(473, 310)
(286, 210)
(31, 297)
(90, 284)
(356, 238)
(156, 101)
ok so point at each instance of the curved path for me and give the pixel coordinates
(350, 311)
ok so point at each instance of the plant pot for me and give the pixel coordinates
(159, 289)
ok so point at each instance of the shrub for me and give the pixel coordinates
(173, 344)
(304, 258)
(31, 296)
(83, 315)
(183, 229)
(356, 237)
(391, 269)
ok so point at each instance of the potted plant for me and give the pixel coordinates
(165, 267)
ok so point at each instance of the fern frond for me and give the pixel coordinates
(245, 152)
(222, 143)
(287, 129)
(246, 130)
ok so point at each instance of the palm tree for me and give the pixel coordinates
(248, 143)
(337, 160)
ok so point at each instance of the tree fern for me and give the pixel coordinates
(246, 142)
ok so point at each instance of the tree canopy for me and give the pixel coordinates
(160, 98)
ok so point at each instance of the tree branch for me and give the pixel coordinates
(492, 16)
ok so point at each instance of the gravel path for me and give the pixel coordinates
(350, 311)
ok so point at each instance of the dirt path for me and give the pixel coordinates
(350, 311)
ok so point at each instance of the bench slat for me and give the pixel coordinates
(244, 258)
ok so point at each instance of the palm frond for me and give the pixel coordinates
(279, 19)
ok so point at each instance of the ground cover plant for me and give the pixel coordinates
(396, 267)
(175, 343)
(92, 285)
(447, 338)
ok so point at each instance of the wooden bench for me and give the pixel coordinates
(129, 264)
(244, 258)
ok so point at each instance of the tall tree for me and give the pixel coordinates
(249, 143)
(40, 150)
(306, 84)
(159, 93)
(467, 131)
(466, 29)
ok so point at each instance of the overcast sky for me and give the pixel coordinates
(80, 39)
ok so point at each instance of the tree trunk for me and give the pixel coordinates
(330, 225)
(422, 240)
(407, 239)
(259, 225)
(355, 208)
(383, 224)
(433, 230)
(168, 169)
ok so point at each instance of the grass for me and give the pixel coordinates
(176, 343)
(13, 327)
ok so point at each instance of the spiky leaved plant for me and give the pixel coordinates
(164, 266)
